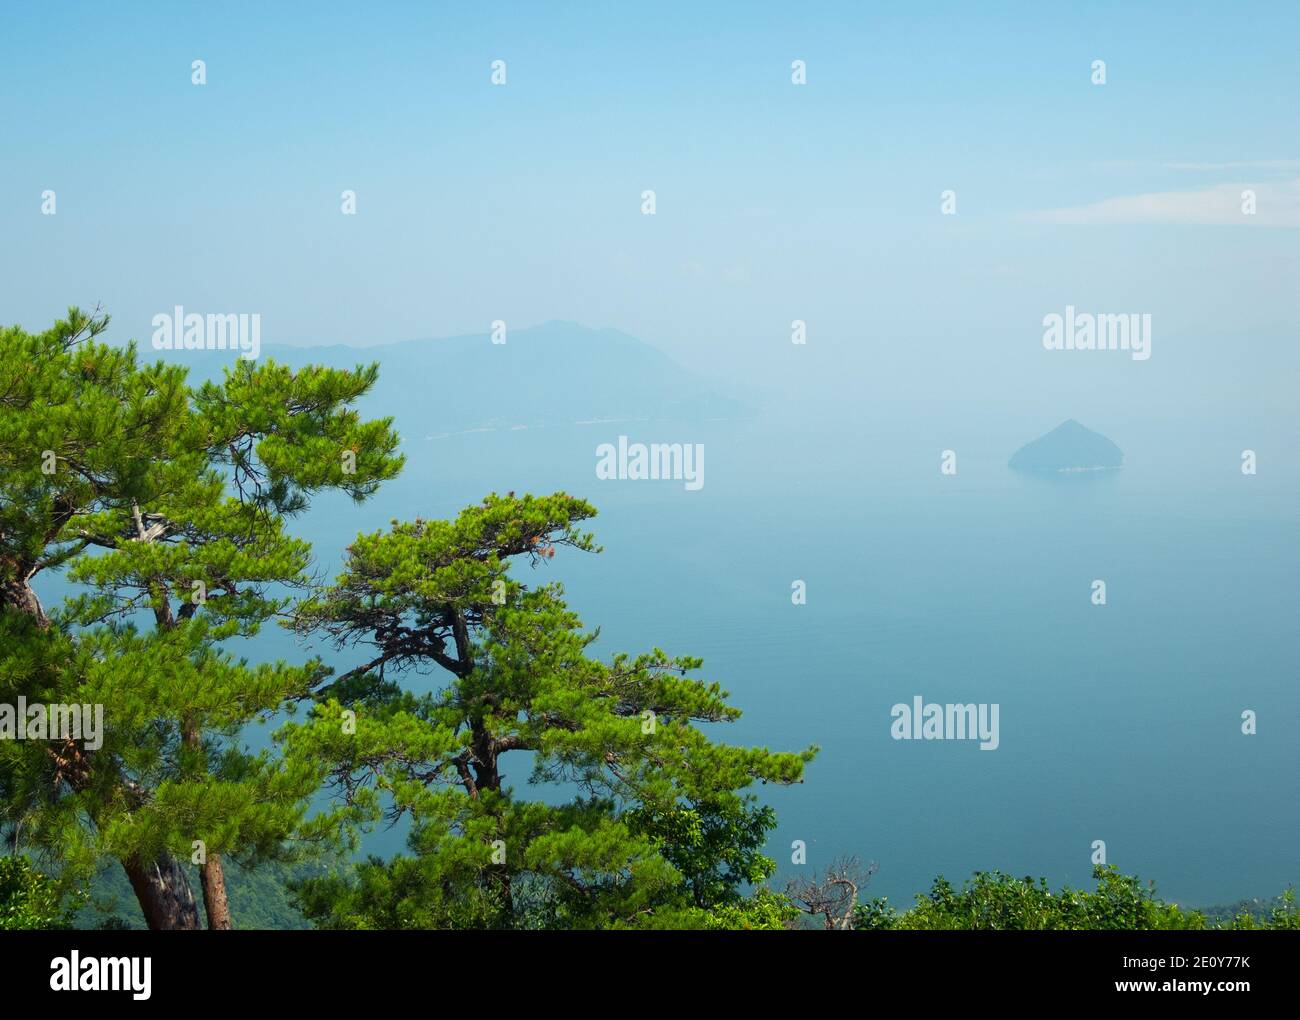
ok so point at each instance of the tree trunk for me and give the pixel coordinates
(213, 879)
(164, 894)
(16, 591)
(160, 886)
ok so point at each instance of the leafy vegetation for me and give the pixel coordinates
(993, 901)
(29, 899)
(168, 503)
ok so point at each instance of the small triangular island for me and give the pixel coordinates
(1068, 448)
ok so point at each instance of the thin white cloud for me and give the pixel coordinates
(1265, 167)
(1277, 204)
(1281, 165)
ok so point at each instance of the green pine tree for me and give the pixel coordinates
(169, 502)
(636, 817)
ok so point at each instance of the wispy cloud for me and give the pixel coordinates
(1257, 165)
(1277, 204)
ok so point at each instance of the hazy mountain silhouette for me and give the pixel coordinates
(555, 373)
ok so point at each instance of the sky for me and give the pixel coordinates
(522, 202)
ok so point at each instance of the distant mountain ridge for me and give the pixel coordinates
(1068, 447)
(555, 373)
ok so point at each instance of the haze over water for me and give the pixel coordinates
(1118, 722)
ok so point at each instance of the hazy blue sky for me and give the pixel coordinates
(775, 202)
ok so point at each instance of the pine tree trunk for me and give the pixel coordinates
(17, 592)
(164, 894)
(160, 886)
(213, 878)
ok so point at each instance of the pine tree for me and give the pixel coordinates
(639, 818)
(169, 503)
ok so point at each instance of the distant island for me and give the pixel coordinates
(1067, 448)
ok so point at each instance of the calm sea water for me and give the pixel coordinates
(1119, 723)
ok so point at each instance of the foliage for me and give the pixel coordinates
(168, 503)
(715, 846)
(1282, 915)
(29, 900)
(638, 819)
(993, 901)
(765, 910)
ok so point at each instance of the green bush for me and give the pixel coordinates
(993, 901)
(764, 911)
(1284, 916)
(28, 899)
